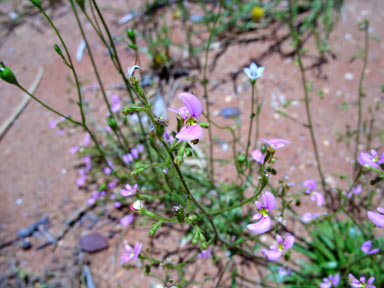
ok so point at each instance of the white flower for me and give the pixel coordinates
(253, 72)
(131, 70)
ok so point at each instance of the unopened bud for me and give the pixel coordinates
(204, 124)
(179, 160)
(137, 206)
(131, 35)
(155, 227)
(7, 75)
(37, 3)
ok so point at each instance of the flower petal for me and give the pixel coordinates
(318, 197)
(190, 133)
(269, 201)
(311, 184)
(257, 156)
(257, 216)
(376, 218)
(380, 209)
(260, 227)
(289, 241)
(272, 255)
(192, 103)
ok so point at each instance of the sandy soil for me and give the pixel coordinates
(37, 172)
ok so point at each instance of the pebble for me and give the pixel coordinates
(230, 112)
(94, 242)
(25, 245)
(349, 76)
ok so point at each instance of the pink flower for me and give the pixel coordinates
(372, 159)
(140, 148)
(113, 183)
(361, 282)
(258, 156)
(129, 190)
(135, 153)
(191, 110)
(74, 149)
(276, 143)
(205, 253)
(308, 217)
(366, 248)
(356, 190)
(330, 281)
(377, 218)
(277, 250)
(127, 158)
(130, 253)
(81, 180)
(125, 221)
(87, 139)
(315, 196)
(53, 124)
(264, 224)
(115, 101)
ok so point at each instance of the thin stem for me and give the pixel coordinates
(306, 98)
(257, 117)
(119, 135)
(361, 95)
(252, 115)
(206, 96)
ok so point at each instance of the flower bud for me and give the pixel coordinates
(179, 160)
(81, 3)
(58, 50)
(37, 3)
(133, 46)
(137, 206)
(192, 218)
(155, 227)
(131, 35)
(179, 213)
(7, 75)
(203, 242)
(195, 238)
(112, 123)
(204, 124)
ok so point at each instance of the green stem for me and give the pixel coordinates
(361, 95)
(252, 115)
(206, 96)
(119, 135)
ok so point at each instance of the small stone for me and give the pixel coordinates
(25, 245)
(94, 242)
(349, 76)
(230, 112)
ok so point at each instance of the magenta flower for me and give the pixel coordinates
(276, 143)
(140, 148)
(258, 156)
(127, 158)
(315, 196)
(189, 113)
(74, 149)
(360, 282)
(117, 205)
(277, 250)
(308, 217)
(264, 224)
(372, 159)
(130, 253)
(356, 190)
(135, 153)
(94, 197)
(81, 180)
(330, 281)
(86, 139)
(53, 124)
(129, 190)
(377, 218)
(115, 103)
(125, 221)
(204, 254)
(113, 184)
(366, 248)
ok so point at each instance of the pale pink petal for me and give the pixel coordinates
(376, 218)
(190, 133)
(257, 216)
(272, 255)
(260, 227)
(380, 209)
(289, 241)
(269, 201)
(258, 205)
(192, 103)
(318, 197)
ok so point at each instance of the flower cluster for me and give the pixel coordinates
(134, 154)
